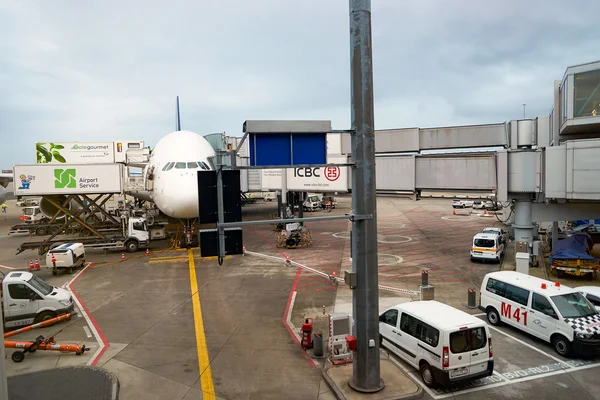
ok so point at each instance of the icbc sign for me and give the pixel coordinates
(332, 173)
(306, 172)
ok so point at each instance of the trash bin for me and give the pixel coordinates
(318, 344)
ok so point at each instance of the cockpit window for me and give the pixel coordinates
(206, 165)
(180, 165)
(165, 167)
(170, 166)
(192, 165)
(201, 165)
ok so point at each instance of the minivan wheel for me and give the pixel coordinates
(427, 375)
(561, 345)
(493, 317)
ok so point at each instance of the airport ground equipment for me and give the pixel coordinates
(572, 256)
(43, 324)
(293, 236)
(135, 235)
(67, 256)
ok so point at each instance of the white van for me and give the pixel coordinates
(487, 246)
(27, 299)
(557, 314)
(445, 344)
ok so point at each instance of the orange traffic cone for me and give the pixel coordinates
(453, 212)
(31, 265)
(122, 256)
(147, 252)
(37, 264)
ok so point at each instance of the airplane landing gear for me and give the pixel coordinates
(188, 240)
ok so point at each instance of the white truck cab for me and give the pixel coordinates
(549, 311)
(312, 202)
(27, 299)
(31, 214)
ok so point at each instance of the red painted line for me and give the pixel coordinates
(92, 320)
(289, 302)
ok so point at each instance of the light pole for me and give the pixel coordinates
(524, 110)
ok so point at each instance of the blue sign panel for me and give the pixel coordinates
(287, 149)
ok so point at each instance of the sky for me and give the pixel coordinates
(110, 70)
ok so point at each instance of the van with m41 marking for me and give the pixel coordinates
(557, 314)
(445, 344)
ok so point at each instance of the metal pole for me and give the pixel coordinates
(284, 193)
(554, 233)
(220, 207)
(365, 299)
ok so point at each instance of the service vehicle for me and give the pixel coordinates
(66, 256)
(572, 256)
(136, 236)
(27, 299)
(500, 231)
(32, 215)
(445, 344)
(478, 204)
(592, 293)
(487, 246)
(462, 203)
(549, 311)
(27, 202)
(328, 203)
(312, 202)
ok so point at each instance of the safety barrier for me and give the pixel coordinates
(333, 278)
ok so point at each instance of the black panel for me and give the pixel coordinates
(207, 197)
(232, 203)
(209, 242)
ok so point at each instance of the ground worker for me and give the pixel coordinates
(3, 207)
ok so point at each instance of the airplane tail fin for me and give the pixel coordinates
(178, 122)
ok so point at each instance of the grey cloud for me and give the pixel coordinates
(111, 70)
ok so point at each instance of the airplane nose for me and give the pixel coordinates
(180, 196)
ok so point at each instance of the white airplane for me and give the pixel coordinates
(172, 173)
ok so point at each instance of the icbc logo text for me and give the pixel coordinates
(306, 172)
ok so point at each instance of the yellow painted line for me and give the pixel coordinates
(206, 381)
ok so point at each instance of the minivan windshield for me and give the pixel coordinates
(487, 243)
(573, 305)
(40, 285)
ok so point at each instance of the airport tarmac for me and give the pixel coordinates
(175, 326)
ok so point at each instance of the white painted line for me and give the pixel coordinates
(87, 332)
(531, 346)
(288, 318)
(7, 267)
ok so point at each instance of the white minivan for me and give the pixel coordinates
(445, 344)
(487, 246)
(554, 313)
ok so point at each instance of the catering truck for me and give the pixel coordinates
(85, 152)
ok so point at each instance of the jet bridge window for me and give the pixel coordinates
(180, 165)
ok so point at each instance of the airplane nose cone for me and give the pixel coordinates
(179, 195)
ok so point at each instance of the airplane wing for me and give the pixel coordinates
(5, 179)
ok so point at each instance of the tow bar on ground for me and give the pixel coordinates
(41, 343)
